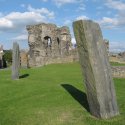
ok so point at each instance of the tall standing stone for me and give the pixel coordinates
(15, 61)
(96, 69)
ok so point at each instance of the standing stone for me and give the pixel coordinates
(96, 69)
(16, 61)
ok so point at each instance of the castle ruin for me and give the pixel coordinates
(48, 44)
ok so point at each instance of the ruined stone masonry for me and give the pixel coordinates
(117, 57)
(118, 71)
(107, 45)
(96, 69)
(3, 62)
(1, 56)
(49, 44)
(24, 59)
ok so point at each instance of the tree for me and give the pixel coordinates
(8, 56)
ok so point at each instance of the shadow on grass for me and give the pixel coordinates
(78, 95)
(24, 76)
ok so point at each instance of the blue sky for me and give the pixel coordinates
(16, 14)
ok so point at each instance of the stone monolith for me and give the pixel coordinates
(15, 61)
(96, 69)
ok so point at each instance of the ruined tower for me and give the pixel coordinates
(48, 43)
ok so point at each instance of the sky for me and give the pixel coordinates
(16, 14)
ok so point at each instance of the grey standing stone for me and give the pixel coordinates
(15, 61)
(96, 69)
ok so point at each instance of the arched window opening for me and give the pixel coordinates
(58, 41)
(48, 41)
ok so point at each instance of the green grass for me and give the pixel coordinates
(117, 64)
(51, 95)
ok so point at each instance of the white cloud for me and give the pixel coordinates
(44, 11)
(73, 40)
(82, 18)
(115, 4)
(59, 3)
(117, 46)
(5, 23)
(115, 22)
(62, 2)
(17, 21)
(44, 0)
(21, 37)
(118, 21)
(17, 16)
(67, 22)
(107, 22)
(82, 7)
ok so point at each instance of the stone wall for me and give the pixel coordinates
(118, 71)
(23, 59)
(116, 58)
(49, 44)
(107, 45)
(1, 56)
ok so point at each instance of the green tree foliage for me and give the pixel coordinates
(8, 56)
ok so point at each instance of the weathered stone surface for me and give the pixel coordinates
(24, 59)
(96, 69)
(48, 43)
(118, 71)
(107, 45)
(15, 61)
(1, 56)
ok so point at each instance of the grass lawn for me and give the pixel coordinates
(51, 95)
(117, 64)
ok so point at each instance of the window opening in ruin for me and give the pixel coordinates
(58, 40)
(59, 45)
(48, 41)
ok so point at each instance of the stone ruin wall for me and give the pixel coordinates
(1, 52)
(119, 58)
(107, 45)
(1, 56)
(49, 44)
(118, 71)
(24, 59)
